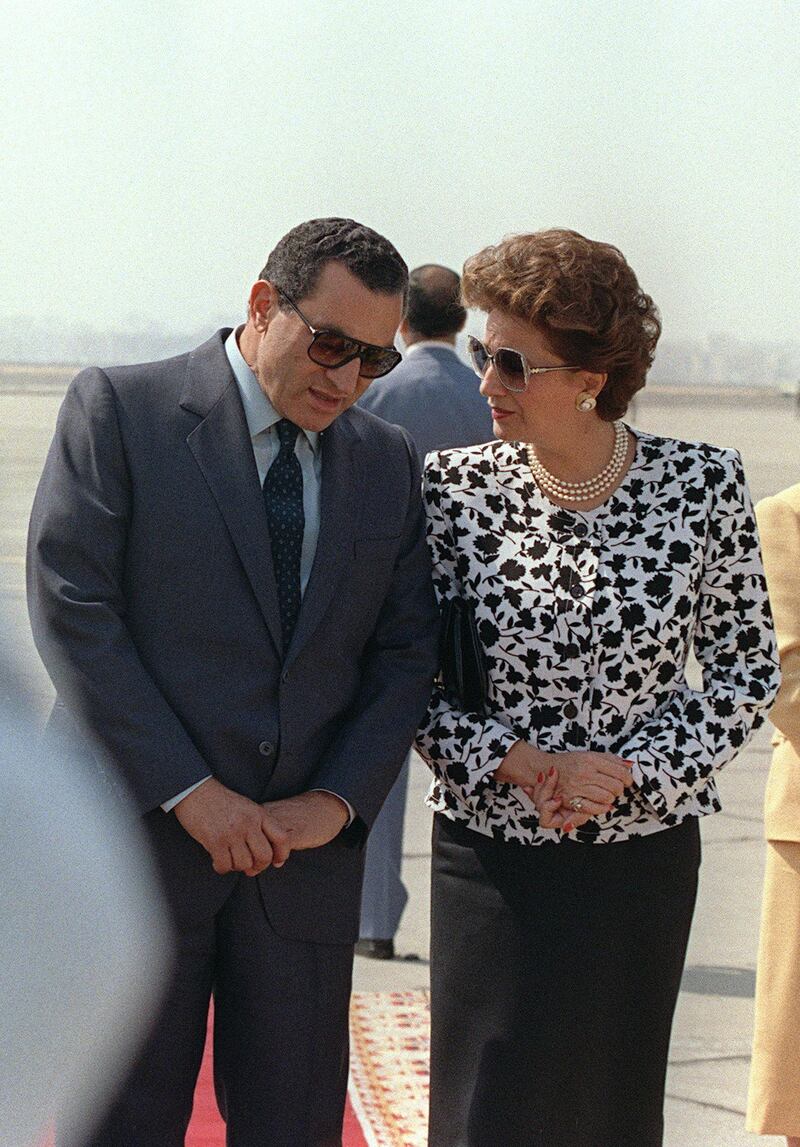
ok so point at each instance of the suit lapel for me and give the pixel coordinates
(341, 497)
(222, 449)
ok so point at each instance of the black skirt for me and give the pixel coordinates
(555, 970)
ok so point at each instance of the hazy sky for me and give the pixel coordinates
(154, 152)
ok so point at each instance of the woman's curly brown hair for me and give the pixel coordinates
(582, 296)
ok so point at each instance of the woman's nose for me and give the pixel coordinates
(490, 383)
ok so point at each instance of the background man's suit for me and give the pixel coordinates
(434, 396)
(153, 604)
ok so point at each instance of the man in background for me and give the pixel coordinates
(435, 397)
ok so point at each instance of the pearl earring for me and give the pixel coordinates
(585, 402)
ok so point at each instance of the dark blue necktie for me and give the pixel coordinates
(283, 498)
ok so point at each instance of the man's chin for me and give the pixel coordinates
(319, 411)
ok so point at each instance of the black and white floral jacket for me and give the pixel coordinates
(588, 619)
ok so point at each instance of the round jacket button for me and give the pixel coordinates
(266, 748)
(576, 589)
(581, 530)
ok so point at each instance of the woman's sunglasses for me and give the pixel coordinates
(511, 367)
(331, 349)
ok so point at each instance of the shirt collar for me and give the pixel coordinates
(434, 344)
(258, 410)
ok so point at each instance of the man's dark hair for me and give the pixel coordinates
(434, 302)
(298, 258)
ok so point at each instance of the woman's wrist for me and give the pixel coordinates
(522, 764)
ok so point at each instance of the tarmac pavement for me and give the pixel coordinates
(709, 1060)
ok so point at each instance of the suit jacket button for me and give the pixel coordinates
(266, 748)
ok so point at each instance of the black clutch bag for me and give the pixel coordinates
(461, 658)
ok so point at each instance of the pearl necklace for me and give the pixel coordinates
(592, 487)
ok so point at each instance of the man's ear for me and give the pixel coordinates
(404, 330)
(263, 304)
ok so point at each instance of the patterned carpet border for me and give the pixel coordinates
(389, 1047)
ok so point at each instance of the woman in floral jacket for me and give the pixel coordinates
(566, 843)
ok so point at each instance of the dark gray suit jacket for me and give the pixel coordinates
(435, 397)
(153, 606)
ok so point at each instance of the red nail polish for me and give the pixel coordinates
(568, 827)
(552, 770)
(540, 778)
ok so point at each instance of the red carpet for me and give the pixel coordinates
(207, 1128)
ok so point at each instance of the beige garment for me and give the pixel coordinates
(773, 1104)
(779, 525)
(774, 1097)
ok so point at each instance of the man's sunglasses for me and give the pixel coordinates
(512, 368)
(331, 349)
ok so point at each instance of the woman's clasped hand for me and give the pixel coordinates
(570, 788)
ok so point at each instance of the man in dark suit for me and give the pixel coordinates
(436, 398)
(230, 588)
